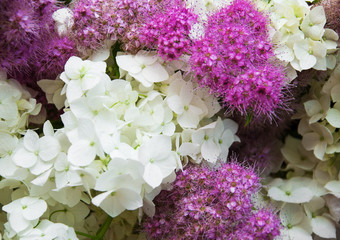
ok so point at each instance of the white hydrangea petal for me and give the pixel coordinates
(130, 199)
(323, 227)
(312, 107)
(187, 149)
(81, 153)
(308, 62)
(175, 104)
(74, 90)
(152, 175)
(333, 117)
(155, 73)
(333, 186)
(284, 53)
(48, 148)
(109, 202)
(210, 151)
(17, 221)
(90, 80)
(188, 119)
(72, 67)
(169, 129)
(31, 140)
(9, 110)
(145, 57)
(310, 140)
(35, 210)
(291, 214)
(299, 233)
(320, 150)
(24, 158)
(317, 15)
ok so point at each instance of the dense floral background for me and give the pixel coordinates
(169, 119)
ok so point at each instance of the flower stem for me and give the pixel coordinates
(101, 232)
(86, 235)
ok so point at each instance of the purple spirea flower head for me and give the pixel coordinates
(29, 43)
(51, 60)
(96, 21)
(168, 28)
(211, 204)
(234, 58)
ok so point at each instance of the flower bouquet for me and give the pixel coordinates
(169, 119)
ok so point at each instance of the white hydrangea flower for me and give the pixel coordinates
(302, 41)
(321, 225)
(54, 91)
(24, 213)
(122, 183)
(296, 155)
(295, 222)
(81, 76)
(215, 139)
(311, 54)
(317, 139)
(313, 24)
(294, 190)
(36, 153)
(158, 159)
(333, 115)
(144, 67)
(186, 105)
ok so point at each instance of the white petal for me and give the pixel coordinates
(35, 210)
(152, 175)
(312, 107)
(17, 221)
(31, 141)
(48, 148)
(333, 117)
(298, 233)
(155, 73)
(210, 151)
(72, 67)
(125, 62)
(310, 140)
(320, 150)
(100, 55)
(323, 227)
(308, 62)
(317, 15)
(81, 153)
(333, 186)
(144, 57)
(24, 158)
(74, 90)
(108, 203)
(131, 200)
(175, 104)
(189, 149)
(188, 119)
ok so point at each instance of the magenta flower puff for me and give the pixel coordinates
(235, 59)
(212, 204)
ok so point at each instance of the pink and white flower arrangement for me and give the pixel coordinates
(169, 119)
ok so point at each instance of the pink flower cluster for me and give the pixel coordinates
(30, 47)
(212, 204)
(99, 20)
(168, 30)
(234, 59)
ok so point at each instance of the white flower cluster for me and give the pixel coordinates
(16, 106)
(310, 196)
(302, 40)
(121, 143)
